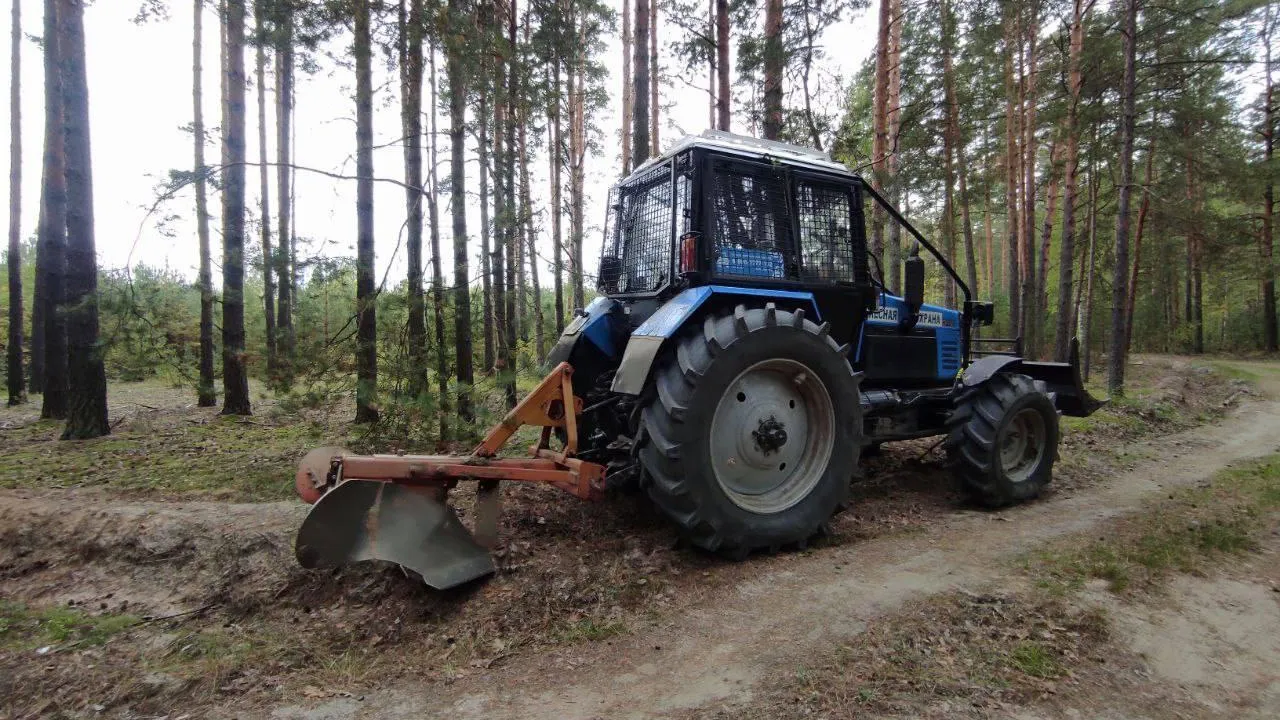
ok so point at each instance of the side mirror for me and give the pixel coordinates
(913, 282)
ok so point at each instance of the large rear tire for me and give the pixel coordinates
(1002, 440)
(753, 432)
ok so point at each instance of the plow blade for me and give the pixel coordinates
(1063, 379)
(374, 520)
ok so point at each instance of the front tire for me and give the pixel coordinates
(1002, 440)
(753, 431)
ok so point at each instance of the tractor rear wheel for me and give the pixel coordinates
(753, 432)
(1002, 440)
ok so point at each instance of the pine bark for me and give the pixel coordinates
(880, 127)
(13, 367)
(1144, 210)
(411, 73)
(773, 63)
(437, 261)
(497, 260)
(531, 237)
(640, 83)
(950, 137)
(1046, 237)
(958, 142)
(893, 162)
(366, 291)
(723, 94)
(1116, 358)
(577, 173)
(264, 188)
(285, 258)
(627, 85)
(655, 79)
(1270, 329)
(86, 371)
(486, 249)
(1029, 301)
(455, 71)
(235, 378)
(1066, 246)
(512, 224)
(206, 395)
(1013, 273)
(51, 248)
(556, 145)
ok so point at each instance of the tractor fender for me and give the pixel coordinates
(985, 368)
(647, 340)
(594, 324)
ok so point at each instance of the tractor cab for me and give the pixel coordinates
(747, 217)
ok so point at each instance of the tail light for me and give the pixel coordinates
(689, 253)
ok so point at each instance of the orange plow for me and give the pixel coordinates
(395, 507)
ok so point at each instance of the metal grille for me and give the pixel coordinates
(752, 223)
(638, 241)
(828, 251)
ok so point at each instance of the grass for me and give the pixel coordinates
(1182, 534)
(25, 628)
(591, 629)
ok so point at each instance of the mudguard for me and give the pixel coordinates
(647, 340)
(1063, 379)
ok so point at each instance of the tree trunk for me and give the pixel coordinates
(949, 140)
(512, 223)
(437, 261)
(455, 71)
(655, 79)
(13, 371)
(411, 71)
(235, 378)
(531, 237)
(555, 143)
(205, 393)
(264, 189)
(1115, 358)
(1144, 211)
(1013, 275)
(577, 173)
(1030, 148)
(627, 85)
(1067, 244)
(52, 241)
(880, 128)
(486, 283)
(1046, 237)
(1087, 318)
(640, 93)
(723, 96)
(1270, 330)
(285, 251)
(774, 60)
(366, 291)
(893, 162)
(497, 261)
(86, 373)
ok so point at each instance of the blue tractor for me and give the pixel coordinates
(743, 350)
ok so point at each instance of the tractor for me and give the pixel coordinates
(742, 352)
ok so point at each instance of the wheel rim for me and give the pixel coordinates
(772, 436)
(1022, 444)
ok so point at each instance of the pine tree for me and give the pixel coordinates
(235, 378)
(1128, 93)
(206, 395)
(366, 290)
(13, 368)
(50, 343)
(86, 372)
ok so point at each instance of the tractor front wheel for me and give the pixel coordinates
(753, 431)
(1002, 440)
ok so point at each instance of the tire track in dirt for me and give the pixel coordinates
(722, 648)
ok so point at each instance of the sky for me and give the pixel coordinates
(140, 101)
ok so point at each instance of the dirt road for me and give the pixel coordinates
(723, 648)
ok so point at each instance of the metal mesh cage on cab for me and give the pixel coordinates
(752, 220)
(638, 242)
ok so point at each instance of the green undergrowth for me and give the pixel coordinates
(1190, 532)
(59, 626)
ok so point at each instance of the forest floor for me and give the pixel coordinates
(151, 574)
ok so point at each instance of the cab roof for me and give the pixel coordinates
(754, 149)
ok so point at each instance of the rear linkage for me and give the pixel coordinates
(395, 507)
